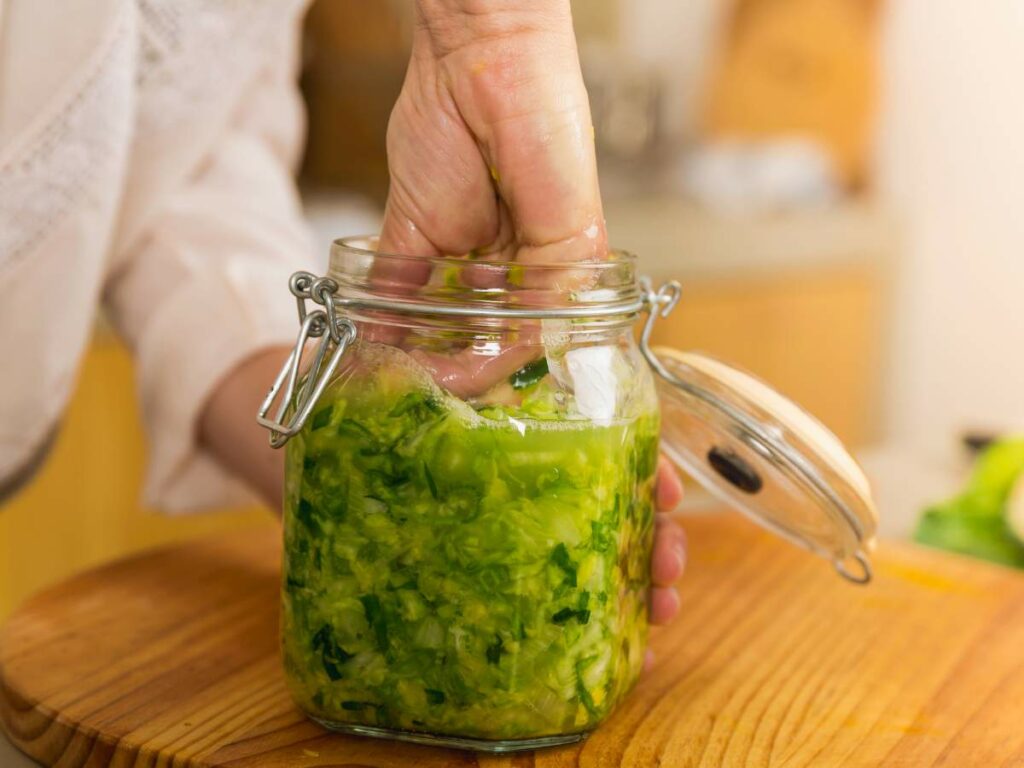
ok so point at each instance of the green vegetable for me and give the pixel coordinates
(974, 522)
(322, 418)
(463, 575)
(304, 512)
(560, 557)
(529, 374)
(495, 650)
(430, 480)
(332, 655)
(435, 697)
(376, 619)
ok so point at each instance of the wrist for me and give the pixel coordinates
(228, 428)
(454, 24)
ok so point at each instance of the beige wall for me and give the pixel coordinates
(677, 37)
(951, 164)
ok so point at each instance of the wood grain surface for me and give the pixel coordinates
(171, 659)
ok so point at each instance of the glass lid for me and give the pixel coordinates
(761, 453)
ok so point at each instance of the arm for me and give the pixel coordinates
(202, 299)
(228, 428)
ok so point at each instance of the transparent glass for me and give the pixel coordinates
(469, 510)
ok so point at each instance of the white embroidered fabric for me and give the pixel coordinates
(57, 162)
(167, 45)
(193, 53)
(135, 119)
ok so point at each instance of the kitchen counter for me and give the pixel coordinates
(774, 662)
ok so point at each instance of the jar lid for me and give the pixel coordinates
(761, 453)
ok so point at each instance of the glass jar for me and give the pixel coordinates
(468, 519)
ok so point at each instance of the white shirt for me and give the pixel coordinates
(146, 149)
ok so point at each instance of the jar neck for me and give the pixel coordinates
(475, 294)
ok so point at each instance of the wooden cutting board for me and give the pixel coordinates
(171, 658)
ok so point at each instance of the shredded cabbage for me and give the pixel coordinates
(455, 572)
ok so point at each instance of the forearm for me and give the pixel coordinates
(228, 428)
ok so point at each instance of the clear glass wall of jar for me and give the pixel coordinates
(468, 514)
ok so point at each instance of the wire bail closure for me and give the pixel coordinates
(658, 303)
(324, 324)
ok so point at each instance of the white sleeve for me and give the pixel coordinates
(206, 286)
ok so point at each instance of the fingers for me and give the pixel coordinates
(522, 96)
(669, 556)
(473, 371)
(441, 199)
(664, 605)
(668, 560)
(669, 487)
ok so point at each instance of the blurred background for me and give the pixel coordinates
(833, 181)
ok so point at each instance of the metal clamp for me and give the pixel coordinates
(658, 303)
(324, 324)
(861, 575)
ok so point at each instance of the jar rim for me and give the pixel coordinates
(481, 287)
(366, 245)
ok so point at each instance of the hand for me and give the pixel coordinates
(228, 428)
(490, 149)
(669, 555)
(490, 143)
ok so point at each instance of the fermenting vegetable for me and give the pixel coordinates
(477, 570)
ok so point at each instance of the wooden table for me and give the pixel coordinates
(775, 662)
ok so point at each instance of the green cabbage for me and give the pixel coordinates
(481, 575)
(974, 522)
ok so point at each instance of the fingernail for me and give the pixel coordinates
(679, 552)
(676, 602)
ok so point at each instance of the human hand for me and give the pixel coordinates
(229, 431)
(490, 150)
(668, 557)
(490, 143)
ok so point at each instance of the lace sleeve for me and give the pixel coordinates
(64, 138)
(206, 286)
